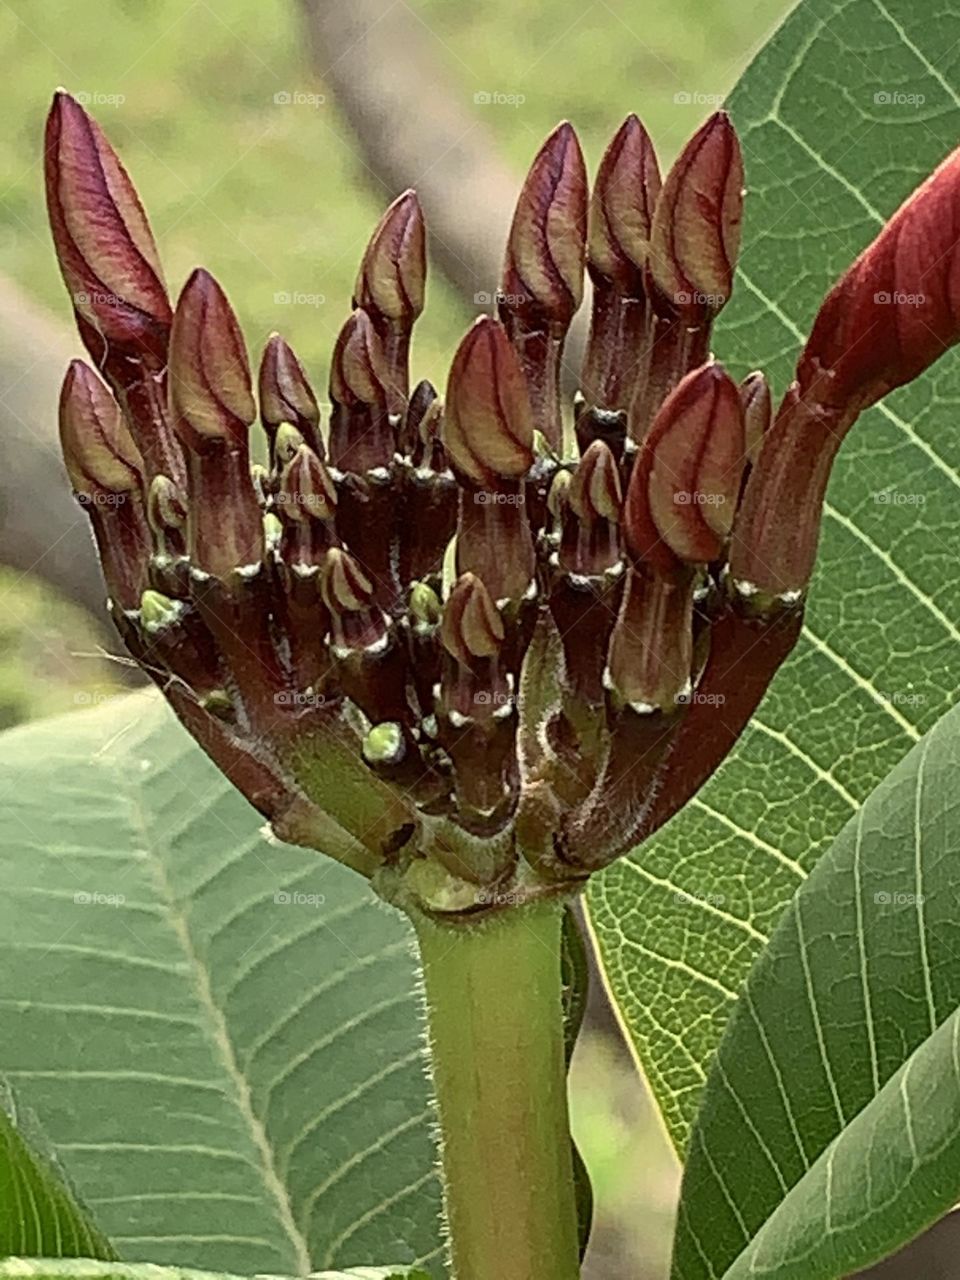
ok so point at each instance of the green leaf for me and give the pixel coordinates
(39, 1214)
(219, 1033)
(84, 1269)
(828, 159)
(829, 1133)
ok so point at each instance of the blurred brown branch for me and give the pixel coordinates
(413, 128)
(42, 531)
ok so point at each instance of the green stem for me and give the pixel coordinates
(493, 998)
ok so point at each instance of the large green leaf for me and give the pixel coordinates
(217, 1033)
(830, 1127)
(83, 1269)
(39, 1214)
(834, 139)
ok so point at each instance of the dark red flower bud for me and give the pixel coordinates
(542, 283)
(306, 502)
(105, 471)
(392, 275)
(683, 490)
(472, 627)
(621, 209)
(757, 412)
(212, 405)
(103, 240)
(487, 425)
(286, 395)
(897, 309)
(621, 215)
(695, 237)
(590, 543)
(543, 268)
(362, 432)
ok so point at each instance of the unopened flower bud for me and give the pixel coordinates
(105, 471)
(362, 434)
(543, 269)
(99, 452)
(757, 412)
(286, 395)
(212, 404)
(390, 285)
(683, 490)
(103, 240)
(695, 236)
(167, 516)
(424, 605)
(472, 627)
(621, 208)
(487, 425)
(896, 310)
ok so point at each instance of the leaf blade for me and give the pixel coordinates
(680, 924)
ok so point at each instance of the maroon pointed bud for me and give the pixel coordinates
(390, 285)
(210, 388)
(775, 535)
(394, 267)
(98, 450)
(104, 468)
(362, 430)
(419, 438)
(695, 238)
(477, 711)
(621, 209)
(286, 395)
(472, 628)
(757, 412)
(487, 425)
(683, 490)
(591, 543)
(212, 406)
(543, 268)
(428, 517)
(621, 215)
(306, 502)
(542, 283)
(897, 309)
(488, 437)
(371, 665)
(103, 240)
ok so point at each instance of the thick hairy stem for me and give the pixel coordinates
(495, 1020)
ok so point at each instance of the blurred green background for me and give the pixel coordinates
(276, 199)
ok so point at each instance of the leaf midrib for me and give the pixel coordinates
(215, 1025)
